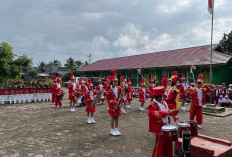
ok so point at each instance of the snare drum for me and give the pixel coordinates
(183, 127)
(169, 132)
(193, 127)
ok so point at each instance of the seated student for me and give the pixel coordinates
(226, 102)
(220, 100)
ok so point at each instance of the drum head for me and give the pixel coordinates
(183, 125)
(168, 127)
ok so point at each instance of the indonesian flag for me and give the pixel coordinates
(210, 6)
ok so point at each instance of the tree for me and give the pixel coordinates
(57, 62)
(70, 64)
(33, 73)
(23, 63)
(86, 63)
(78, 63)
(7, 68)
(226, 43)
(41, 67)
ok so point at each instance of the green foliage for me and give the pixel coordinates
(33, 73)
(7, 68)
(57, 62)
(86, 63)
(66, 76)
(226, 43)
(70, 64)
(41, 67)
(23, 62)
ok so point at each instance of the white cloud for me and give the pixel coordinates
(96, 15)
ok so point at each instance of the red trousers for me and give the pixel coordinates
(58, 101)
(162, 148)
(196, 111)
(53, 97)
(215, 100)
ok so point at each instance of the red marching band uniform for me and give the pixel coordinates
(151, 86)
(80, 91)
(53, 89)
(143, 92)
(129, 91)
(59, 91)
(157, 118)
(89, 96)
(112, 98)
(102, 88)
(172, 95)
(198, 100)
(72, 86)
(183, 88)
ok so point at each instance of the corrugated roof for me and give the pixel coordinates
(179, 57)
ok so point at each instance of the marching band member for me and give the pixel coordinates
(89, 96)
(100, 87)
(224, 90)
(172, 95)
(80, 91)
(71, 89)
(151, 86)
(157, 113)
(182, 88)
(198, 100)
(113, 98)
(129, 93)
(53, 89)
(124, 96)
(58, 92)
(215, 94)
(142, 95)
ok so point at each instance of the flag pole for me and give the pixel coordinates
(211, 51)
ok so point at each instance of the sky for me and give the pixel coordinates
(58, 29)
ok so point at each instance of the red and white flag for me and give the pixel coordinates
(210, 6)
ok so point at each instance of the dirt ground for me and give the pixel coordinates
(40, 129)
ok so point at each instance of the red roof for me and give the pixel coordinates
(172, 58)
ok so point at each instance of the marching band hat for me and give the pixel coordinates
(157, 91)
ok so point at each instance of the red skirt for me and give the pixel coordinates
(142, 100)
(71, 97)
(90, 109)
(115, 113)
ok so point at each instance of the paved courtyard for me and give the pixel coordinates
(40, 129)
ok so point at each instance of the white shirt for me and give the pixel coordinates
(100, 85)
(144, 93)
(161, 108)
(58, 85)
(199, 96)
(74, 86)
(115, 92)
(91, 94)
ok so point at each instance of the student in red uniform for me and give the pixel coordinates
(72, 86)
(142, 95)
(58, 92)
(158, 113)
(183, 95)
(172, 95)
(89, 96)
(100, 87)
(80, 91)
(112, 99)
(124, 98)
(151, 86)
(53, 89)
(129, 93)
(198, 100)
(230, 91)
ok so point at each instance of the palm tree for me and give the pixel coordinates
(70, 64)
(57, 62)
(41, 67)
